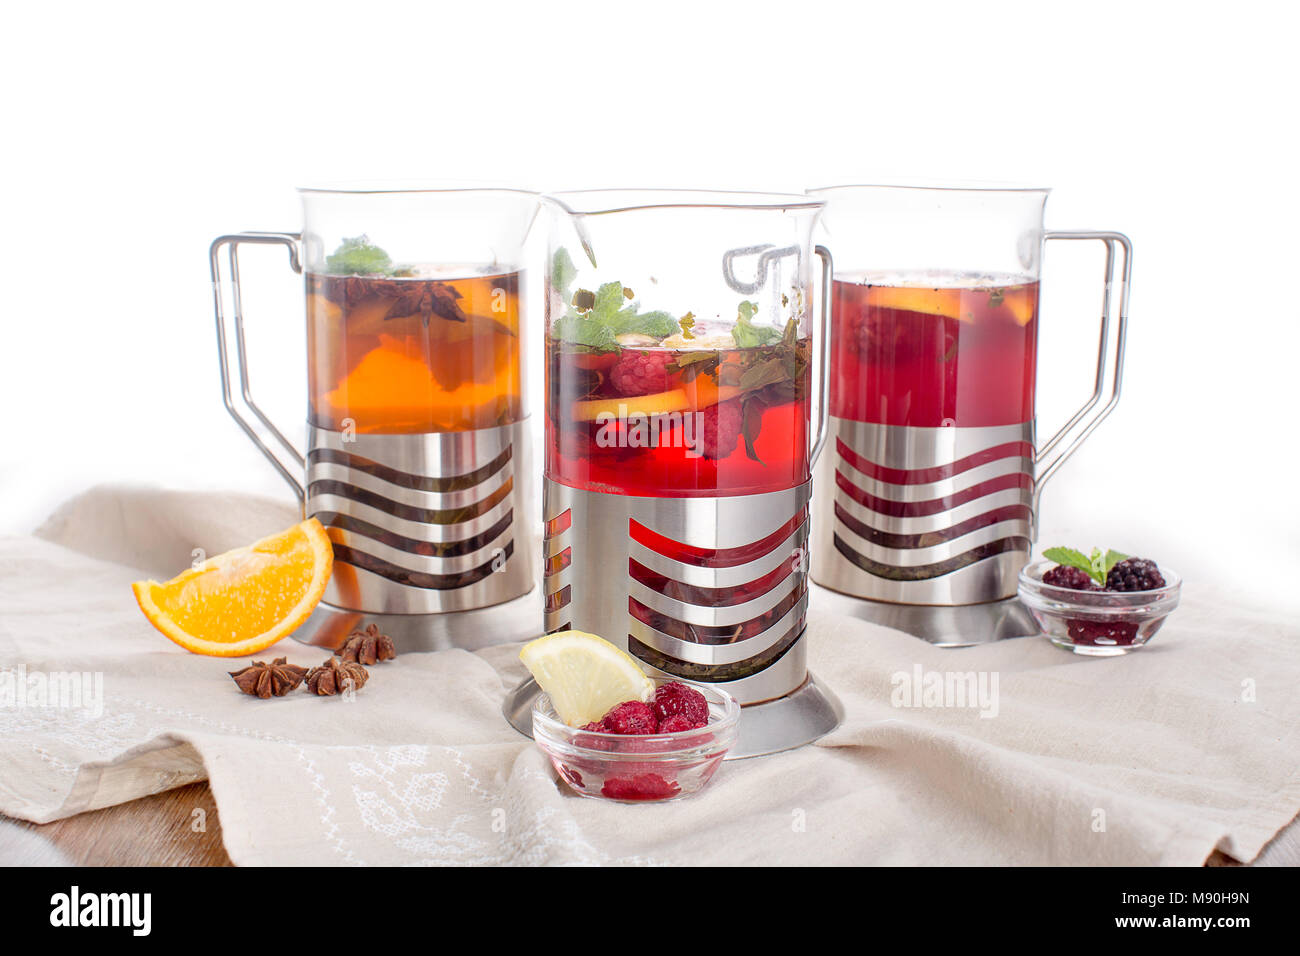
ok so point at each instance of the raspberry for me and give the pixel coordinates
(641, 786)
(720, 428)
(1134, 574)
(596, 726)
(640, 373)
(678, 700)
(631, 717)
(1064, 576)
(1104, 633)
(677, 723)
(571, 775)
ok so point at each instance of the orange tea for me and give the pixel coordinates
(425, 351)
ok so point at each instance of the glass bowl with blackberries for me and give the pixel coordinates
(1101, 604)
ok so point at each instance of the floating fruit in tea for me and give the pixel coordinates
(645, 403)
(933, 350)
(415, 348)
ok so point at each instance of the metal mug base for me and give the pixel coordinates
(810, 711)
(923, 516)
(962, 625)
(516, 620)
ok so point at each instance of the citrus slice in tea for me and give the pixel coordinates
(245, 600)
(585, 675)
(906, 298)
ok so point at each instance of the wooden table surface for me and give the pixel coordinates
(158, 830)
(164, 830)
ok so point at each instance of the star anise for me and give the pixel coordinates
(333, 677)
(427, 299)
(266, 680)
(367, 647)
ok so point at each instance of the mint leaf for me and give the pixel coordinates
(683, 359)
(596, 319)
(761, 374)
(1070, 558)
(609, 300)
(659, 324)
(584, 330)
(358, 256)
(563, 272)
(1096, 564)
(746, 333)
(693, 364)
(751, 425)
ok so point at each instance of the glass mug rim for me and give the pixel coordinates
(950, 186)
(628, 199)
(378, 187)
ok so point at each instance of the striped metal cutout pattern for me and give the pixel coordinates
(419, 523)
(925, 516)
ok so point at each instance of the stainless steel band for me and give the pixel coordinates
(424, 523)
(704, 589)
(937, 516)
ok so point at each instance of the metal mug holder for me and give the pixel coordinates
(637, 564)
(421, 524)
(926, 529)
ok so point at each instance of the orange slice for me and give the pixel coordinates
(945, 302)
(1022, 306)
(245, 600)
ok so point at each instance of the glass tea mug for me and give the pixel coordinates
(417, 458)
(680, 431)
(928, 493)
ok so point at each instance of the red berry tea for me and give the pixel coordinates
(653, 404)
(931, 350)
(678, 422)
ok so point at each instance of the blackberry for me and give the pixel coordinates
(1065, 576)
(640, 373)
(1101, 633)
(1134, 574)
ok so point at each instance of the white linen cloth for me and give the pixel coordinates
(1155, 758)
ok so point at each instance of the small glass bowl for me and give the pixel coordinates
(1097, 623)
(638, 769)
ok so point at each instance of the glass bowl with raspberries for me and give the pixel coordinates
(1101, 604)
(663, 748)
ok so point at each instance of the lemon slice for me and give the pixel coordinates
(585, 675)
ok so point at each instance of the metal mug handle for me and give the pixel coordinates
(231, 246)
(1048, 459)
(767, 258)
(822, 361)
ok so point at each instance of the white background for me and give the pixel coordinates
(135, 133)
